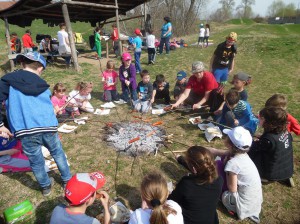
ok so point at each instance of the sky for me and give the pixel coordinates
(260, 7)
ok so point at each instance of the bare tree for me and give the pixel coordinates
(246, 8)
(226, 8)
(278, 8)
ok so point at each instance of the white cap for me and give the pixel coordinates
(240, 137)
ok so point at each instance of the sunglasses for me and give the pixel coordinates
(61, 90)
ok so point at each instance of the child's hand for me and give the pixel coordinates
(152, 101)
(5, 133)
(104, 199)
(217, 112)
(236, 122)
(196, 106)
(127, 82)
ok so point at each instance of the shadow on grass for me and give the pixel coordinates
(173, 170)
(126, 193)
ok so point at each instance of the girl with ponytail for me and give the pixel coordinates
(156, 209)
(198, 193)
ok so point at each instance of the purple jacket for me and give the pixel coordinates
(131, 76)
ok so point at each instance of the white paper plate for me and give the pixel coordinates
(66, 128)
(81, 120)
(192, 120)
(203, 126)
(158, 111)
(120, 102)
(108, 105)
(102, 111)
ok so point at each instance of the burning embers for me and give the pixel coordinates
(135, 138)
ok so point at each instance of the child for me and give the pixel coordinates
(145, 89)
(180, 84)
(127, 76)
(156, 209)
(206, 34)
(59, 99)
(240, 80)
(109, 79)
(12, 158)
(198, 193)
(238, 113)
(161, 89)
(279, 100)
(222, 61)
(150, 39)
(80, 97)
(80, 193)
(31, 117)
(98, 43)
(244, 194)
(137, 44)
(273, 152)
(201, 36)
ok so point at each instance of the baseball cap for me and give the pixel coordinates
(137, 32)
(240, 137)
(126, 56)
(197, 66)
(82, 186)
(33, 56)
(181, 75)
(242, 76)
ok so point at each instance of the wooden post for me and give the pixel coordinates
(71, 39)
(107, 49)
(12, 65)
(145, 17)
(118, 27)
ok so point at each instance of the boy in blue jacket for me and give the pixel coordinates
(31, 117)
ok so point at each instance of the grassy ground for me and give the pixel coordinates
(266, 52)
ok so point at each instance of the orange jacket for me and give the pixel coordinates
(27, 41)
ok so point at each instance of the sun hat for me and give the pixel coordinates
(197, 66)
(232, 36)
(33, 56)
(126, 56)
(137, 32)
(181, 75)
(82, 186)
(201, 25)
(240, 137)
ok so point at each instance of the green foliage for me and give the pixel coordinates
(241, 21)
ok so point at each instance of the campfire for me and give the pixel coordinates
(135, 138)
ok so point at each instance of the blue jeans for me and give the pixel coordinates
(32, 148)
(125, 94)
(164, 41)
(137, 56)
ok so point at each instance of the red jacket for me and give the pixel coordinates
(293, 125)
(27, 41)
(115, 35)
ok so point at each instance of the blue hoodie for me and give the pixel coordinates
(28, 105)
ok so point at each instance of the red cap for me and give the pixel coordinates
(82, 186)
(137, 32)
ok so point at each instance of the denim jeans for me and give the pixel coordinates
(166, 41)
(137, 56)
(32, 148)
(151, 55)
(125, 94)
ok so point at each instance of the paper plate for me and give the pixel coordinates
(194, 120)
(108, 105)
(102, 111)
(66, 128)
(119, 213)
(158, 111)
(203, 126)
(120, 101)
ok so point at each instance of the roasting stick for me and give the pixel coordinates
(217, 123)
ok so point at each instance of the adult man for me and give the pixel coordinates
(31, 117)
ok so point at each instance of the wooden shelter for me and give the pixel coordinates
(53, 12)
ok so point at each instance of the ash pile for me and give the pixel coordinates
(134, 138)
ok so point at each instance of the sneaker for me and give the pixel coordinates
(152, 62)
(46, 191)
(291, 182)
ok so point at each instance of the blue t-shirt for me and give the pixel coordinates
(61, 215)
(165, 28)
(138, 43)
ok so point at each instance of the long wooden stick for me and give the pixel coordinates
(177, 151)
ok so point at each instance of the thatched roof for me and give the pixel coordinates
(51, 11)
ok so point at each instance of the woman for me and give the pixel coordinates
(166, 32)
(198, 88)
(156, 209)
(199, 192)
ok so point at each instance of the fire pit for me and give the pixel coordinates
(135, 138)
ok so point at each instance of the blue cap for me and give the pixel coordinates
(181, 75)
(33, 56)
